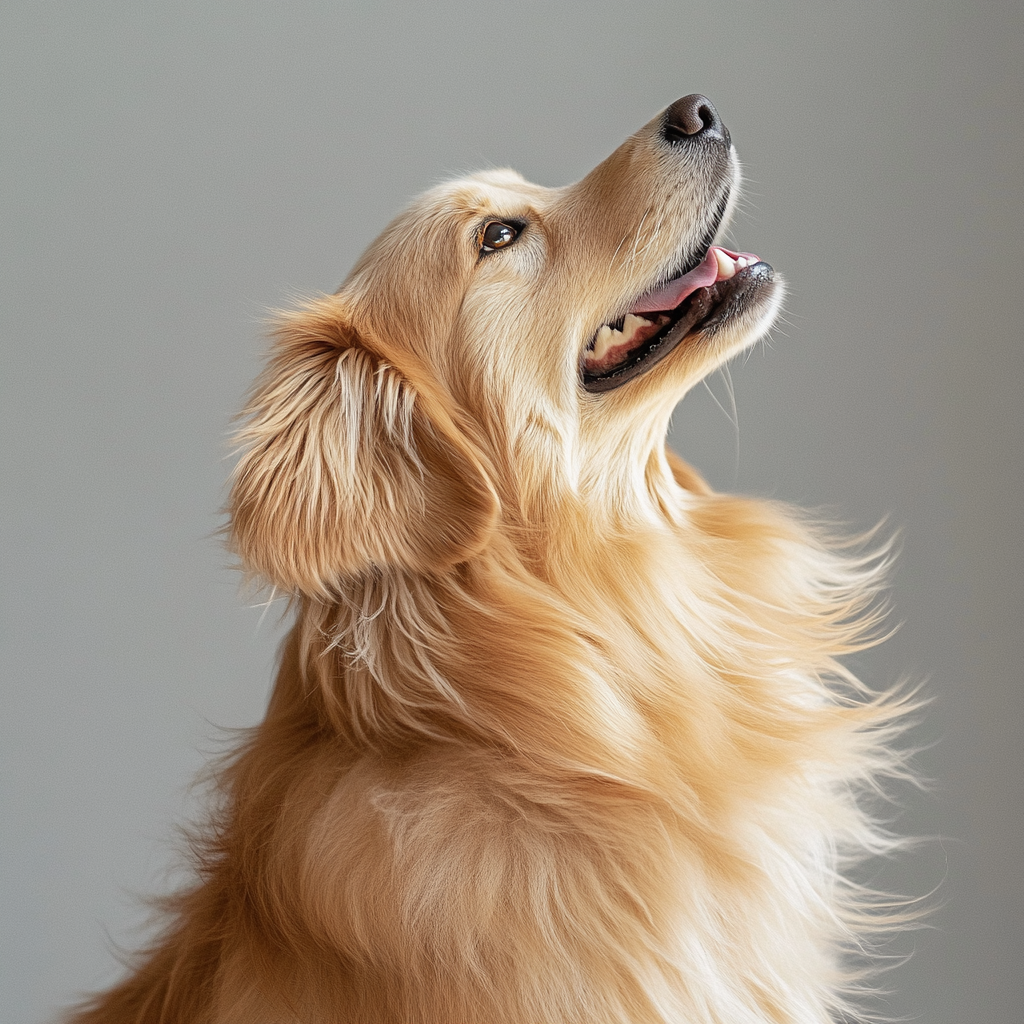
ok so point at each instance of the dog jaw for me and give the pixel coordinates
(681, 306)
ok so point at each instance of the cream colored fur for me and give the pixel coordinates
(559, 735)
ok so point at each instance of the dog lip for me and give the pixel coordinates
(704, 311)
(675, 291)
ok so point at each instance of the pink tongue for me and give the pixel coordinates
(668, 296)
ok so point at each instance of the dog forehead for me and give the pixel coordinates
(496, 192)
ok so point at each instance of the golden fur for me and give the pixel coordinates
(559, 735)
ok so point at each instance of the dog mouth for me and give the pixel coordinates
(721, 286)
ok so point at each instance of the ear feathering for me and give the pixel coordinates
(351, 459)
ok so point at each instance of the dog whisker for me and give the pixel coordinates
(636, 235)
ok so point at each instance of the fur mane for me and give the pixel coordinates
(698, 700)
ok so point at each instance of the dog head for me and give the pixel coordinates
(500, 349)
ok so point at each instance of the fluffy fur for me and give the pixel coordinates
(559, 735)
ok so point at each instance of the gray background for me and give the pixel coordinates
(170, 170)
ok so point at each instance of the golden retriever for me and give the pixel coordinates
(559, 735)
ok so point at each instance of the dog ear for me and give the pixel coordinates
(350, 460)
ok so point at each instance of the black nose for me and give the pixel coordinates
(693, 119)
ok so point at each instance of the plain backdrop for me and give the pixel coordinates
(171, 170)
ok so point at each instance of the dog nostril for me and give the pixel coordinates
(694, 118)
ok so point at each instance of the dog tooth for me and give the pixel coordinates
(741, 263)
(604, 341)
(632, 324)
(726, 267)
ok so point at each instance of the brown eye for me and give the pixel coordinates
(496, 235)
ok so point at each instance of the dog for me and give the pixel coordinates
(559, 734)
